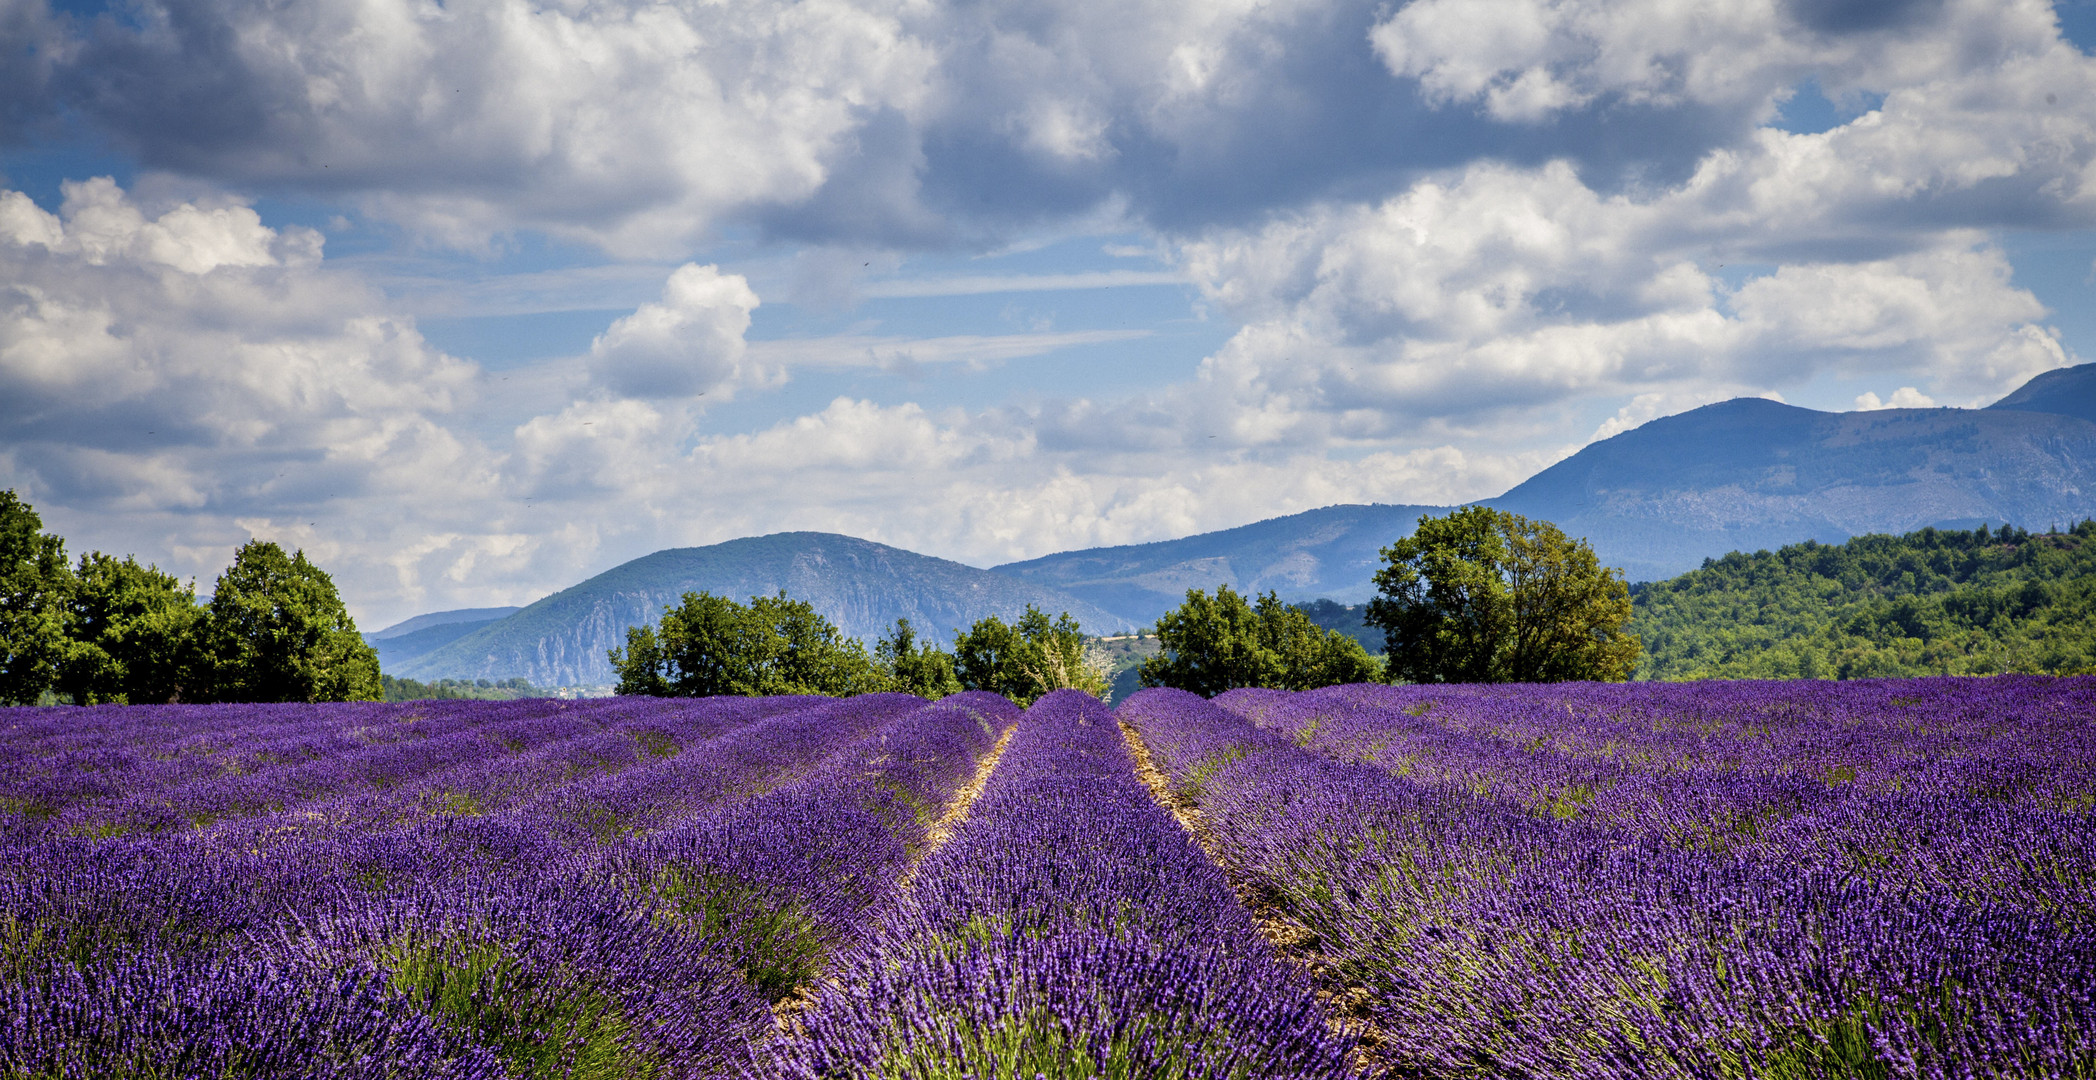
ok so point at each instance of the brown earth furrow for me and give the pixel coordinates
(786, 1012)
(1346, 1005)
(957, 809)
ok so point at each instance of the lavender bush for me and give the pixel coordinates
(1070, 928)
(1857, 880)
(518, 889)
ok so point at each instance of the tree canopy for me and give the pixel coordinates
(1218, 643)
(132, 635)
(914, 667)
(709, 645)
(1025, 660)
(1482, 595)
(1931, 602)
(113, 631)
(277, 631)
(512, 689)
(36, 586)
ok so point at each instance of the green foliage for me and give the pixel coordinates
(1348, 619)
(277, 631)
(114, 631)
(132, 635)
(711, 645)
(1932, 602)
(777, 945)
(36, 586)
(396, 689)
(1026, 661)
(540, 1027)
(1482, 595)
(1040, 1043)
(921, 669)
(1213, 644)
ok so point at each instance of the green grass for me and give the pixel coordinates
(1195, 784)
(33, 809)
(454, 804)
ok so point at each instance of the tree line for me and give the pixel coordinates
(1476, 595)
(707, 645)
(108, 630)
(1479, 595)
(395, 689)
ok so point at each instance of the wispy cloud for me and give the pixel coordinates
(444, 288)
(1019, 283)
(889, 352)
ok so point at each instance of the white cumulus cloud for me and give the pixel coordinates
(688, 343)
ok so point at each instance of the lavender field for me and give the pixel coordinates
(1871, 879)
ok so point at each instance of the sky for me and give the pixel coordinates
(472, 300)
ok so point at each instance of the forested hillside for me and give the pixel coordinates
(1927, 603)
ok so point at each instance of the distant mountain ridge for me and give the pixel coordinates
(1331, 552)
(860, 586)
(1750, 474)
(402, 642)
(2067, 391)
(1747, 474)
(441, 618)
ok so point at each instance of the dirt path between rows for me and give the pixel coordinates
(1346, 1011)
(787, 1011)
(957, 810)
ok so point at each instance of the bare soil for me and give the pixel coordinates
(787, 1011)
(1346, 1005)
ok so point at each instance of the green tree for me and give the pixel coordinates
(921, 669)
(277, 631)
(1218, 643)
(710, 645)
(133, 635)
(643, 668)
(1483, 595)
(1025, 661)
(35, 587)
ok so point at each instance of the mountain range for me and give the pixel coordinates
(1748, 474)
(860, 586)
(404, 641)
(1744, 474)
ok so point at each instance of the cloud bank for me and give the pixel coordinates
(1450, 242)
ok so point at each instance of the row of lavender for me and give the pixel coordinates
(117, 771)
(464, 889)
(1070, 928)
(1744, 879)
